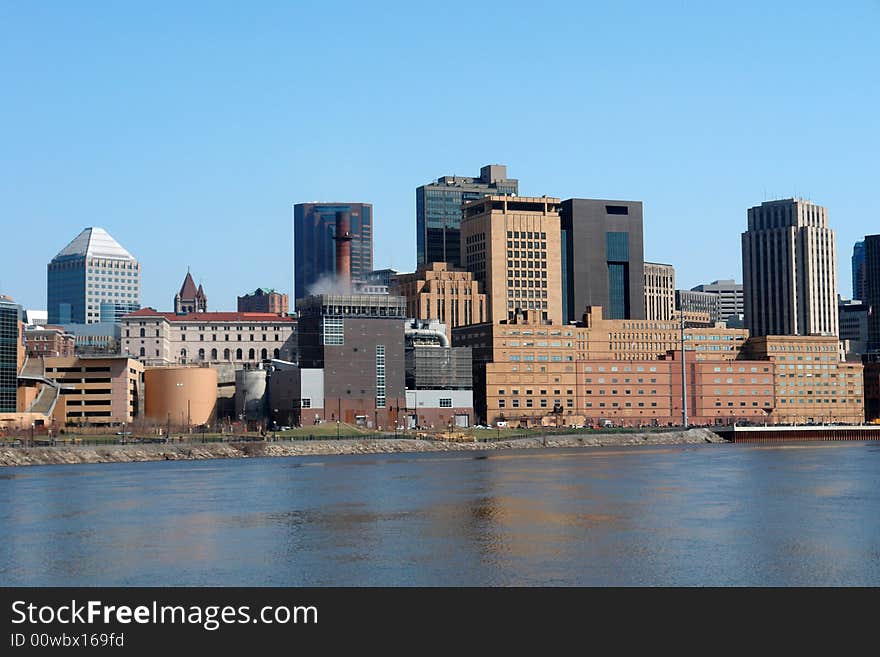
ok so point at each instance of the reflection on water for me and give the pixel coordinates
(704, 515)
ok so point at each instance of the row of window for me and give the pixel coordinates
(529, 235)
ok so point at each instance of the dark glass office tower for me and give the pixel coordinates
(872, 289)
(438, 211)
(858, 271)
(603, 259)
(314, 250)
(10, 318)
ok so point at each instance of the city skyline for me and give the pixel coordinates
(223, 172)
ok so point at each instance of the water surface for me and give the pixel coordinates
(695, 515)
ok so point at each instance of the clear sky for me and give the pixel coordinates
(188, 130)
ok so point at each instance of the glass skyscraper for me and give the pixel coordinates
(314, 250)
(438, 211)
(10, 318)
(858, 271)
(93, 279)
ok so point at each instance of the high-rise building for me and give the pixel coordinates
(511, 245)
(92, 279)
(858, 270)
(659, 291)
(789, 270)
(853, 316)
(730, 294)
(438, 211)
(263, 300)
(436, 291)
(314, 248)
(872, 289)
(603, 258)
(698, 308)
(10, 354)
(190, 299)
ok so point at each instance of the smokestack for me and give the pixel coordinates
(343, 248)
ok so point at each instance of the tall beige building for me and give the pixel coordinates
(659, 291)
(439, 291)
(789, 270)
(512, 246)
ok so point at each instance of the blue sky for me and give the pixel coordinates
(189, 131)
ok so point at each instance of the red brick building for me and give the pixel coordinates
(48, 341)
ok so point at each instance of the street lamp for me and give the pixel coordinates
(179, 385)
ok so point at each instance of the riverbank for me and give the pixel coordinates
(21, 456)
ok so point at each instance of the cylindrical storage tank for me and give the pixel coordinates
(250, 392)
(180, 395)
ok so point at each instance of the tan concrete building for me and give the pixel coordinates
(789, 270)
(101, 391)
(813, 383)
(629, 371)
(438, 291)
(181, 396)
(512, 246)
(536, 365)
(659, 291)
(157, 338)
(639, 339)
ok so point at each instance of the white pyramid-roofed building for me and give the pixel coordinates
(92, 279)
(95, 242)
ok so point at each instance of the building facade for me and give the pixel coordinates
(531, 373)
(698, 308)
(730, 294)
(813, 385)
(92, 279)
(10, 354)
(858, 270)
(872, 289)
(438, 211)
(100, 391)
(314, 249)
(264, 300)
(853, 316)
(357, 341)
(603, 258)
(789, 270)
(158, 339)
(511, 244)
(437, 291)
(190, 299)
(48, 341)
(659, 291)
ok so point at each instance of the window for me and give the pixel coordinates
(251, 354)
(334, 331)
(380, 376)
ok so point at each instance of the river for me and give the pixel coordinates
(787, 515)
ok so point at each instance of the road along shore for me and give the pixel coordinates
(131, 453)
